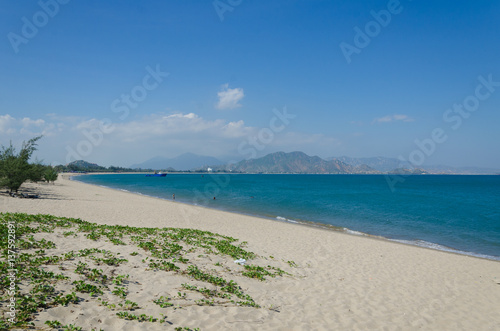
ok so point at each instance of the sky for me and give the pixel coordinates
(120, 82)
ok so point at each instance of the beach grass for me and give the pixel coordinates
(46, 274)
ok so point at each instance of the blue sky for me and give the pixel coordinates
(85, 78)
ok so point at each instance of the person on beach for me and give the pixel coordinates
(173, 196)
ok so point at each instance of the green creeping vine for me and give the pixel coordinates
(37, 288)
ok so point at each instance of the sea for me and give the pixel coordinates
(455, 213)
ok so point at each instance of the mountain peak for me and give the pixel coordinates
(293, 162)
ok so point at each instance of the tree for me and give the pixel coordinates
(50, 174)
(37, 172)
(15, 168)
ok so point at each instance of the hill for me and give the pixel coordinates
(383, 164)
(296, 163)
(81, 165)
(393, 165)
(84, 166)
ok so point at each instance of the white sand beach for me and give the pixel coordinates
(340, 281)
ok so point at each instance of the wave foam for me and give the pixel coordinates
(279, 218)
(426, 244)
(356, 233)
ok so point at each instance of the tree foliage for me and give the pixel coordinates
(15, 169)
(50, 174)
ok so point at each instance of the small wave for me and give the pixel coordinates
(279, 218)
(356, 233)
(426, 244)
(419, 243)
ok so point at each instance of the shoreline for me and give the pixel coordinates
(278, 173)
(339, 229)
(339, 282)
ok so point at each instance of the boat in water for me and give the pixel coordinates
(156, 174)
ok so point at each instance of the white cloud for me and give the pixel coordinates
(229, 97)
(6, 124)
(153, 135)
(25, 126)
(392, 118)
(27, 122)
(174, 134)
(190, 126)
(16, 130)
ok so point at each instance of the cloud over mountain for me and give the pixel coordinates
(124, 143)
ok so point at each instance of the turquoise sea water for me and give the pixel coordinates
(455, 213)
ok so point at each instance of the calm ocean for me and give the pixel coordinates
(455, 213)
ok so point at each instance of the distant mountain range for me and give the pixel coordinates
(296, 163)
(386, 164)
(383, 164)
(301, 163)
(443, 169)
(284, 163)
(187, 161)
